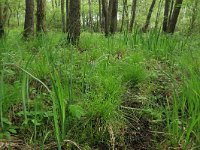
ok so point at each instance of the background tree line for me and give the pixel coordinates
(108, 16)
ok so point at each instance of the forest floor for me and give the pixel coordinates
(128, 91)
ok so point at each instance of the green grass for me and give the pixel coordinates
(58, 92)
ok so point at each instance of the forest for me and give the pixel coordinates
(99, 74)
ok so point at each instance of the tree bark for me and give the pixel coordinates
(145, 27)
(1, 20)
(41, 16)
(74, 22)
(106, 17)
(158, 13)
(63, 15)
(67, 15)
(100, 16)
(175, 14)
(171, 10)
(133, 12)
(166, 15)
(29, 19)
(90, 15)
(124, 14)
(113, 24)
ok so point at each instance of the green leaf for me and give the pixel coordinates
(6, 121)
(12, 131)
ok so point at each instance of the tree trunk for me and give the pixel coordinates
(133, 11)
(106, 17)
(175, 14)
(29, 19)
(171, 10)
(74, 22)
(83, 20)
(67, 15)
(63, 15)
(145, 27)
(90, 14)
(158, 14)
(124, 14)
(41, 16)
(100, 16)
(113, 24)
(166, 15)
(1, 20)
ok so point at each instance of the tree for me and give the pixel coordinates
(41, 17)
(106, 19)
(124, 14)
(29, 19)
(74, 22)
(145, 27)
(100, 16)
(90, 14)
(63, 15)
(158, 13)
(67, 15)
(1, 20)
(175, 14)
(166, 15)
(113, 23)
(110, 16)
(133, 11)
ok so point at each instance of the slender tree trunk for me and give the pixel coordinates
(63, 15)
(171, 10)
(133, 12)
(124, 14)
(67, 15)
(110, 7)
(29, 19)
(74, 22)
(106, 17)
(175, 14)
(1, 20)
(90, 14)
(158, 13)
(100, 16)
(113, 24)
(166, 15)
(83, 20)
(145, 27)
(97, 23)
(41, 16)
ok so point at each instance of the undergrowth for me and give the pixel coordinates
(100, 92)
